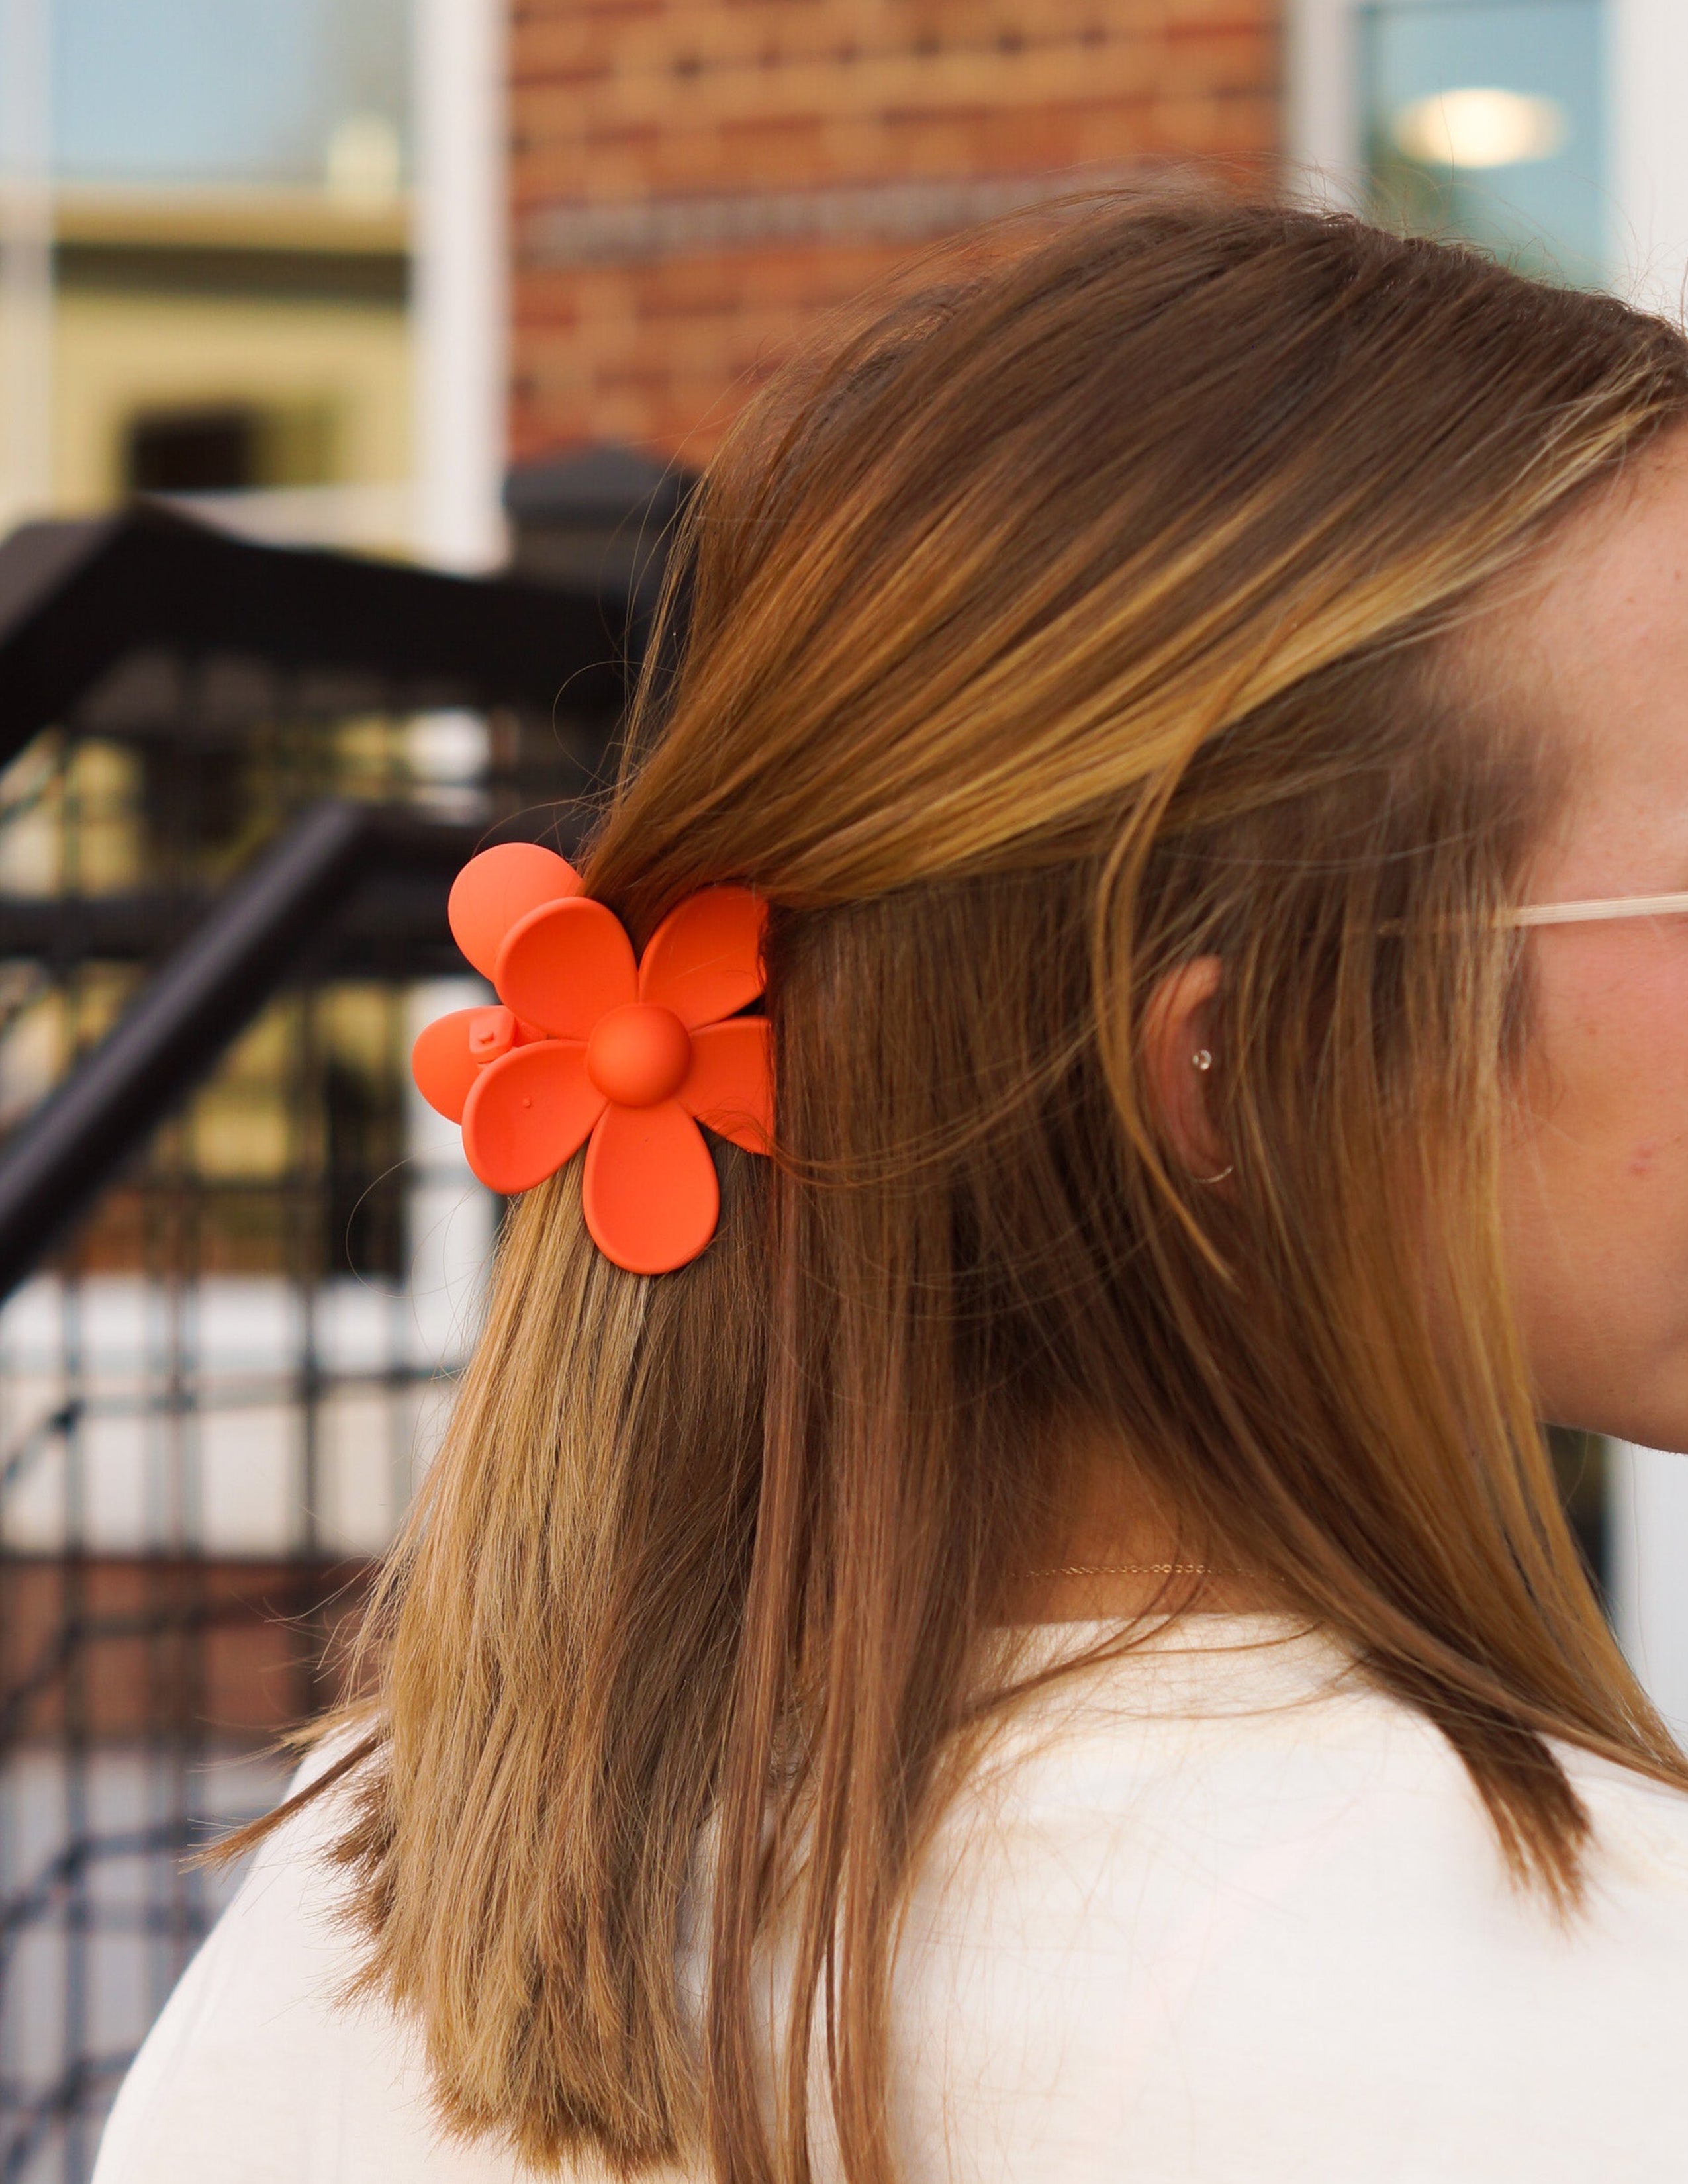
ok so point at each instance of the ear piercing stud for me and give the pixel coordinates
(1202, 1059)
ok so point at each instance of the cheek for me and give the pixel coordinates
(1608, 1081)
(1595, 1193)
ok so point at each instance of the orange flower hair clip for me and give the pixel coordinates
(591, 1043)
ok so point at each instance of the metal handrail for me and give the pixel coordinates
(203, 995)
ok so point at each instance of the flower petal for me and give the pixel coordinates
(527, 1112)
(706, 958)
(730, 1084)
(442, 1064)
(562, 967)
(499, 886)
(649, 1192)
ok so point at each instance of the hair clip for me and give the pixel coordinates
(590, 1044)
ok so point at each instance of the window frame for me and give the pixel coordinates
(1647, 182)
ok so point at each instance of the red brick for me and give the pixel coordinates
(656, 103)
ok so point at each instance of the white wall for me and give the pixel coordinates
(462, 303)
(1647, 57)
(1321, 116)
(1647, 1517)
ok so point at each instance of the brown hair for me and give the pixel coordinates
(1083, 612)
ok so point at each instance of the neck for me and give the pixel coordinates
(1118, 1557)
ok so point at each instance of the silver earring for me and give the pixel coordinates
(1201, 1059)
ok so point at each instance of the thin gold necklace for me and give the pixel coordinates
(1133, 1569)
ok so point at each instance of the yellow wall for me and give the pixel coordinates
(116, 353)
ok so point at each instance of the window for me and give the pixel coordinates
(282, 92)
(1488, 120)
(228, 447)
(192, 451)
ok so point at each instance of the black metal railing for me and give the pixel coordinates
(238, 1258)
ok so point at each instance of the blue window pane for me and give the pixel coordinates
(208, 91)
(1486, 120)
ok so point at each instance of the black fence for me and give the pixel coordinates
(239, 1258)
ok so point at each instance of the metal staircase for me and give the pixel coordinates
(238, 1260)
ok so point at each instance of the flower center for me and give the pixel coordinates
(639, 1054)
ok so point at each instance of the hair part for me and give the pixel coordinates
(1077, 615)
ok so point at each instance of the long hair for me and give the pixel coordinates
(1102, 602)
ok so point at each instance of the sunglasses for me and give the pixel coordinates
(1595, 912)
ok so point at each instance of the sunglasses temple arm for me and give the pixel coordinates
(1595, 912)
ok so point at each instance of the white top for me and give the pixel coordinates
(1218, 1913)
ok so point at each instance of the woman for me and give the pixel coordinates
(1048, 1649)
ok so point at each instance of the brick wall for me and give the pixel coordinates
(122, 1647)
(694, 180)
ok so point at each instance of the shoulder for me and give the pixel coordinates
(1639, 1827)
(1247, 1911)
(258, 2071)
(1260, 1747)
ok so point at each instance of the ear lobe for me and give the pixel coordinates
(1177, 1029)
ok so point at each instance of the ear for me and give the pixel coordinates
(1177, 1025)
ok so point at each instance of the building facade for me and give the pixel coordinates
(695, 183)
